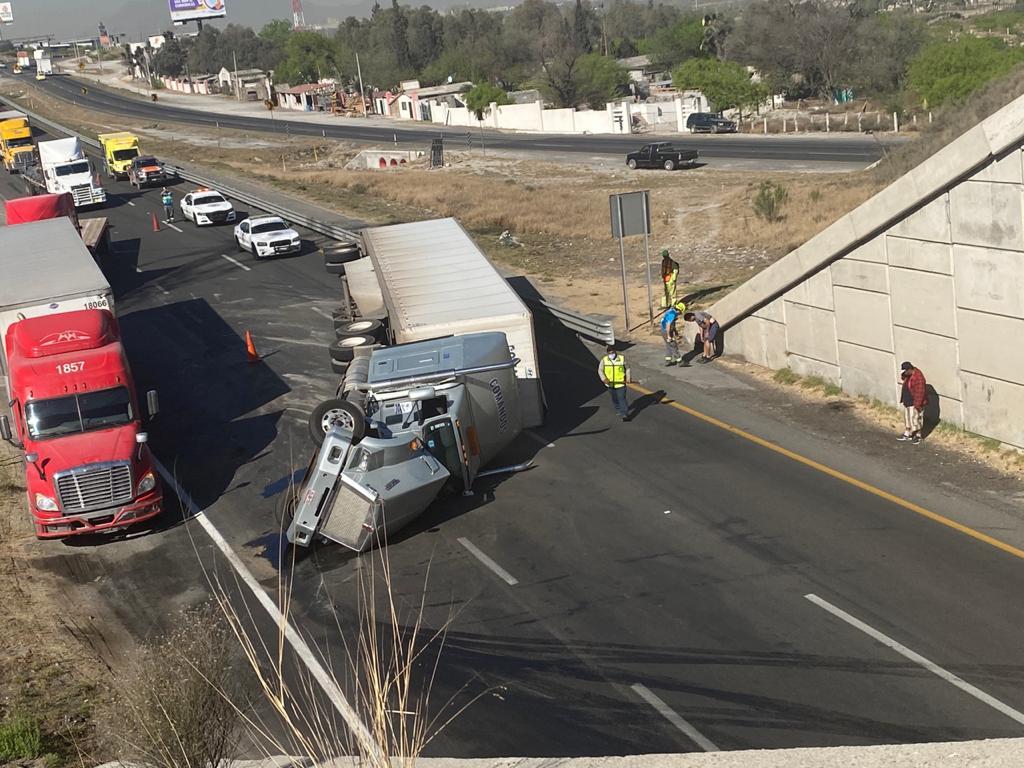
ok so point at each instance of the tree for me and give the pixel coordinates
(948, 72)
(887, 43)
(399, 40)
(276, 32)
(670, 46)
(170, 59)
(480, 97)
(599, 80)
(726, 84)
(308, 57)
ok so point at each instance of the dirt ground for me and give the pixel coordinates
(46, 673)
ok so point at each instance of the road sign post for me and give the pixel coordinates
(631, 215)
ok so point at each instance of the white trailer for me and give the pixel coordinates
(45, 269)
(64, 167)
(433, 281)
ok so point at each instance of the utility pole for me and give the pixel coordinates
(362, 91)
(238, 89)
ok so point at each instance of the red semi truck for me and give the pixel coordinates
(73, 404)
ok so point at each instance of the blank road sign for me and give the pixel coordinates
(635, 211)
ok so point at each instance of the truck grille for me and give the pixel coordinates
(217, 216)
(281, 243)
(84, 194)
(94, 486)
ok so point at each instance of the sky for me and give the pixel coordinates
(140, 18)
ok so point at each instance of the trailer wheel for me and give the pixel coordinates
(339, 367)
(337, 411)
(287, 502)
(343, 350)
(335, 269)
(344, 328)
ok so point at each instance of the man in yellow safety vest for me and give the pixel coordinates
(669, 276)
(615, 375)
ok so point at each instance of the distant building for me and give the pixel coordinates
(246, 84)
(307, 97)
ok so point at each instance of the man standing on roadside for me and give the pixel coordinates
(670, 334)
(913, 399)
(669, 275)
(615, 375)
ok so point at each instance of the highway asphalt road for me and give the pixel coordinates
(644, 589)
(806, 150)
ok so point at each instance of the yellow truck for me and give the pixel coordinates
(119, 149)
(15, 139)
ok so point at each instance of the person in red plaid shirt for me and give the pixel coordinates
(913, 399)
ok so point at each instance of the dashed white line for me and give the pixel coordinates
(172, 226)
(236, 262)
(138, 269)
(673, 717)
(502, 574)
(302, 649)
(162, 290)
(321, 312)
(538, 438)
(130, 203)
(917, 658)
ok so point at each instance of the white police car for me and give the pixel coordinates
(206, 206)
(267, 236)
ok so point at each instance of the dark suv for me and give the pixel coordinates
(705, 122)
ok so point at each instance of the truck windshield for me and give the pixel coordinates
(22, 142)
(73, 168)
(78, 413)
(126, 154)
(208, 199)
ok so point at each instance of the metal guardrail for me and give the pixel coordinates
(585, 325)
(313, 225)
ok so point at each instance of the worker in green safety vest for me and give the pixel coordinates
(614, 375)
(669, 275)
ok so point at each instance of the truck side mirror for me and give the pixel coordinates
(152, 403)
(5, 428)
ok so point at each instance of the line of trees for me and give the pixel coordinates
(568, 51)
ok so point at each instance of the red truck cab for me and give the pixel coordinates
(75, 411)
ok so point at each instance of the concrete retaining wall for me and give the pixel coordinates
(930, 270)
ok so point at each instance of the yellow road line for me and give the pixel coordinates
(916, 508)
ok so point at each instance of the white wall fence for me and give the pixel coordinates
(616, 117)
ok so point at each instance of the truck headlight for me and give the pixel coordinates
(261, 245)
(147, 483)
(46, 503)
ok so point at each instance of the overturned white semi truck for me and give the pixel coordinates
(442, 375)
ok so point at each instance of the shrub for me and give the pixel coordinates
(20, 739)
(769, 201)
(786, 376)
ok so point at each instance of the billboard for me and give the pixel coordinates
(6, 13)
(191, 10)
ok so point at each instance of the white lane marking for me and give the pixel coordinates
(172, 226)
(538, 438)
(667, 512)
(236, 262)
(673, 717)
(321, 312)
(139, 270)
(917, 658)
(163, 290)
(504, 575)
(302, 649)
(130, 203)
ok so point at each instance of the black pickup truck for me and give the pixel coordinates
(661, 155)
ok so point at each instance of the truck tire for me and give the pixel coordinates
(238, 243)
(670, 165)
(341, 254)
(336, 410)
(343, 350)
(335, 269)
(339, 367)
(632, 164)
(343, 328)
(284, 510)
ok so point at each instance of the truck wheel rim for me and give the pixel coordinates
(337, 416)
(361, 325)
(353, 341)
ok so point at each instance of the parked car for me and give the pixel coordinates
(267, 236)
(206, 206)
(706, 122)
(661, 155)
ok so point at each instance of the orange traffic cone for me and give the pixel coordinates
(250, 349)
(156, 224)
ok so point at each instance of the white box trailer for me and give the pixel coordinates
(436, 282)
(46, 269)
